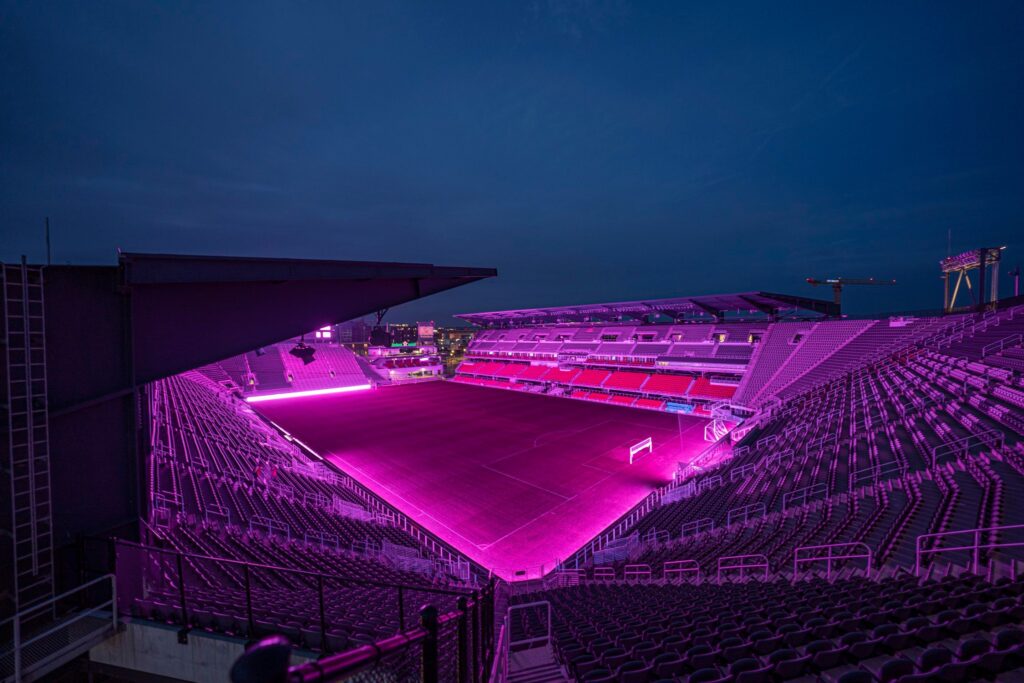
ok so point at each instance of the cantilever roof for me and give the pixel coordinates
(677, 308)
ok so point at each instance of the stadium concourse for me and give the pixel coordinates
(517, 482)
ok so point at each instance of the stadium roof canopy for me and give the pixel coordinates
(744, 305)
(192, 310)
(112, 328)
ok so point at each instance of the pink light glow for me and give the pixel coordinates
(549, 493)
(311, 392)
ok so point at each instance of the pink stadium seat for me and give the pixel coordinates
(510, 370)
(705, 389)
(626, 381)
(668, 385)
(623, 400)
(561, 376)
(590, 378)
(534, 372)
(649, 403)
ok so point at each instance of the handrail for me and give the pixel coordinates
(537, 603)
(875, 472)
(681, 567)
(746, 511)
(474, 659)
(49, 601)
(697, 526)
(803, 495)
(831, 557)
(636, 572)
(976, 547)
(1001, 344)
(499, 668)
(740, 562)
(990, 437)
(17, 645)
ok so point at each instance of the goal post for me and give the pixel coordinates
(637, 450)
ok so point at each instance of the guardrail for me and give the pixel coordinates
(744, 513)
(42, 638)
(743, 564)
(871, 475)
(452, 646)
(680, 568)
(698, 526)
(178, 577)
(636, 572)
(991, 438)
(831, 557)
(974, 548)
(801, 496)
(997, 346)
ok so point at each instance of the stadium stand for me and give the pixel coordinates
(230, 494)
(858, 520)
(823, 547)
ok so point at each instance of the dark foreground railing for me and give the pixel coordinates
(178, 587)
(455, 646)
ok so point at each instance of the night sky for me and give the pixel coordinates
(591, 151)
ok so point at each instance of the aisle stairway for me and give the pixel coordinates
(537, 665)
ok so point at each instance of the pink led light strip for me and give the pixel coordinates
(311, 392)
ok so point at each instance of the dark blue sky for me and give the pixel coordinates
(589, 150)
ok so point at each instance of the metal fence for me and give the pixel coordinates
(319, 611)
(456, 646)
(39, 638)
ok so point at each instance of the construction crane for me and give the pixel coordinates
(837, 284)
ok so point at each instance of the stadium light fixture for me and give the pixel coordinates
(310, 392)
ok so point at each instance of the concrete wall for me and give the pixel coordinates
(154, 649)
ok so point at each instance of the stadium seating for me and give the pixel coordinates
(871, 435)
(225, 485)
(626, 381)
(957, 629)
(668, 385)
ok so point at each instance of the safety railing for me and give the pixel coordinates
(173, 586)
(868, 476)
(985, 538)
(635, 573)
(456, 646)
(831, 554)
(680, 570)
(604, 573)
(991, 438)
(742, 472)
(778, 459)
(697, 526)
(802, 496)
(744, 564)
(997, 346)
(499, 668)
(44, 636)
(655, 537)
(744, 513)
(563, 578)
(526, 639)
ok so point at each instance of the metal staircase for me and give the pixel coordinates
(28, 524)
